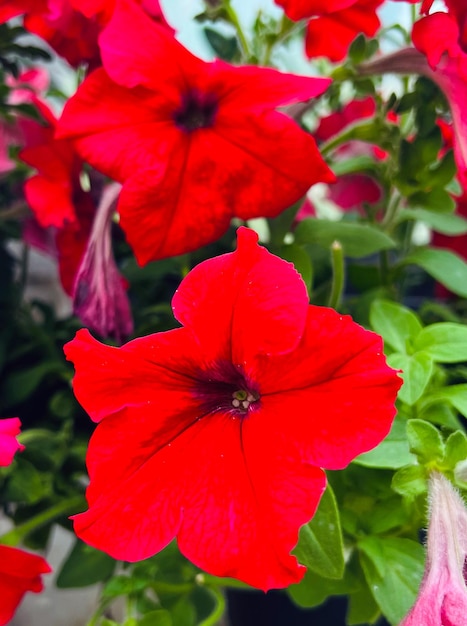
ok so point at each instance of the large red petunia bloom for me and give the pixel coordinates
(9, 429)
(334, 24)
(216, 432)
(193, 143)
(19, 572)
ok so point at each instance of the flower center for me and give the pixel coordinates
(242, 399)
(226, 389)
(197, 111)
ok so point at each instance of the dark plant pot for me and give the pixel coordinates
(253, 608)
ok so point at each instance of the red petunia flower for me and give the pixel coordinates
(20, 572)
(216, 432)
(350, 191)
(194, 143)
(68, 32)
(334, 24)
(55, 190)
(9, 429)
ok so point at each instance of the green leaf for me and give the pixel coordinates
(357, 240)
(440, 414)
(297, 255)
(436, 199)
(224, 47)
(395, 590)
(362, 608)
(444, 266)
(393, 452)
(416, 373)
(27, 484)
(320, 546)
(20, 385)
(445, 342)
(84, 566)
(425, 440)
(314, 589)
(156, 618)
(410, 481)
(456, 395)
(440, 222)
(395, 323)
(456, 449)
(123, 585)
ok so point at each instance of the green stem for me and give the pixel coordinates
(286, 30)
(95, 619)
(219, 608)
(384, 267)
(164, 587)
(23, 277)
(233, 19)
(337, 287)
(392, 211)
(209, 580)
(15, 536)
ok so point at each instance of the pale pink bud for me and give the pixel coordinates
(442, 600)
(99, 295)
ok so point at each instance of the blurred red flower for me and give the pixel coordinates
(68, 32)
(194, 143)
(55, 194)
(20, 572)
(334, 24)
(350, 191)
(216, 432)
(72, 27)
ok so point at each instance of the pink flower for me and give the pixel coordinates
(193, 143)
(216, 432)
(30, 83)
(20, 572)
(442, 600)
(10, 428)
(99, 295)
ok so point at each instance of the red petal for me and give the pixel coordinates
(334, 394)
(50, 201)
(260, 303)
(331, 35)
(19, 572)
(119, 131)
(299, 9)
(106, 377)
(265, 162)
(136, 50)
(256, 88)
(167, 215)
(236, 513)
